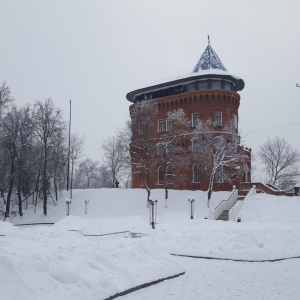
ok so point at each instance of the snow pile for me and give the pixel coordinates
(53, 263)
(275, 209)
(231, 240)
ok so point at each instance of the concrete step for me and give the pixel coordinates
(224, 216)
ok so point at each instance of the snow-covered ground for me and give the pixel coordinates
(76, 259)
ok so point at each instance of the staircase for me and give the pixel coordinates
(224, 216)
(242, 194)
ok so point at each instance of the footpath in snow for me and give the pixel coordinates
(76, 257)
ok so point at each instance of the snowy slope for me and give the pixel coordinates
(56, 263)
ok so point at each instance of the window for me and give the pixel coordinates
(219, 175)
(160, 175)
(216, 84)
(195, 145)
(169, 171)
(219, 143)
(235, 121)
(196, 173)
(169, 125)
(218, 119)
(190, 87)
(160, 125)
(203, 85)
(142, 129)
(159, 149)
(246, 170)
(227, 86)
(195, 120)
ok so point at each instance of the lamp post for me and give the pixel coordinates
(68, 206)
(86, 205)
(152, 211)
(191, 206)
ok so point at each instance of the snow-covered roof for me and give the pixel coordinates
(209, 60)
(209, 66)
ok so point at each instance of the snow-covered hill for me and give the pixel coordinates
(76, 259)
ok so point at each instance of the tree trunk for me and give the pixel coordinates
(45, 185)
(20, 200)
(19, 186)
(55, 188)
(166, 197)
(10, 188)
(209, 192)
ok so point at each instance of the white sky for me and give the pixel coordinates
(94, 52)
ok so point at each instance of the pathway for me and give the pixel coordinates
(227, 280)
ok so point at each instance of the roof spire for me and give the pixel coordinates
(209, 60)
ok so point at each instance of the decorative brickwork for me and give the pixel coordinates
(209, 93)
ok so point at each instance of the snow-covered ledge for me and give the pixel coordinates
(235, 210)
(223, 205)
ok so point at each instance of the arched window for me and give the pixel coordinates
(160, 149)
(160, 175)
(196, 173)
(219, 143)
(196, 145)
(219, 175)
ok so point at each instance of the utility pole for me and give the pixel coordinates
(69, 150)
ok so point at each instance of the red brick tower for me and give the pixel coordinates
(208, 92)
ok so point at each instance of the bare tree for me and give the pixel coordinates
(24, 151)
(87, 175)
(115, 157)
(125, 135)
(142, 115)
(170, 150)
(281, 162)
(57, 163)
(10, 132)
(5, 97)
(217, 152)
(75, 154)
(48, 126)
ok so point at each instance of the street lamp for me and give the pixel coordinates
(152, 211)
(191, 206)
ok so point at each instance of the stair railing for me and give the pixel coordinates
(223, 205)
(236, 209)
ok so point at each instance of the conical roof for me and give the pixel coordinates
(209, 66)
(209, 60)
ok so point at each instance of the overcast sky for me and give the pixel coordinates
(95, 52)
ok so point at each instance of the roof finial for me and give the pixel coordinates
(208, 40)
